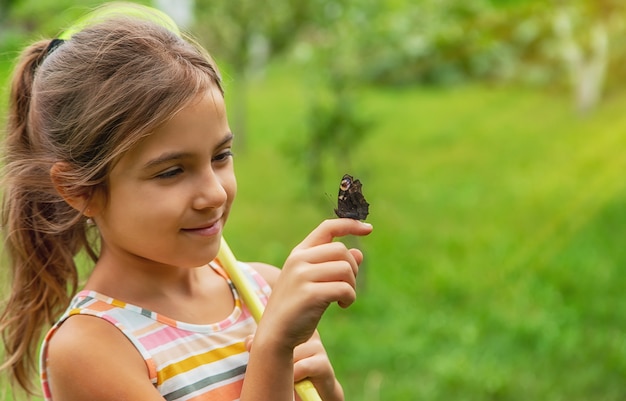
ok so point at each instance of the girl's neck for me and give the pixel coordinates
(192, 295)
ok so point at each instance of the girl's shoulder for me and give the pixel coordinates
(71, 353)
(268, 272)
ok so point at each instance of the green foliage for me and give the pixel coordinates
(245, 33)
(334, 131)
(448, 42)
(27, 20)
(393, 42)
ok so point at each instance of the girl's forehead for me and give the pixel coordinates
(196, 125)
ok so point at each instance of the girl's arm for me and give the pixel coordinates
(82, 367)
(317, 273)
(310, 358)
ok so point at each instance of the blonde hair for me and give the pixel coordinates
(84, 103)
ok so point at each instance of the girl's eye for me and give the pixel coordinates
(223, 156)
(170, 173)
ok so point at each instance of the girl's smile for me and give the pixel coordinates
(206, 230)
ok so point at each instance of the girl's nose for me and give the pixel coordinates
(211, 192)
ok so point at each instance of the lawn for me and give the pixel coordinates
(499, 220)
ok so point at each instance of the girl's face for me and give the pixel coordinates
(169, 197)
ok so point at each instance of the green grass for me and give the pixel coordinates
(493, 272)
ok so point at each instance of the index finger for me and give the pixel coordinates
(333, 228)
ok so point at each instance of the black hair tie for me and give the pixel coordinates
(54, 43)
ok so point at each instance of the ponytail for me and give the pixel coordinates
(42, 233)
(21, 89)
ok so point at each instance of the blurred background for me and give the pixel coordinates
(490, 138)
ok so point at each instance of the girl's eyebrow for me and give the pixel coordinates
(168, 157)
(227, 138)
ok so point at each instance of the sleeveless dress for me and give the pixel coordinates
(185, 361)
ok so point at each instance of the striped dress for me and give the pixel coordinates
(185, 361)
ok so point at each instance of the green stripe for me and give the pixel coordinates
(208, 381)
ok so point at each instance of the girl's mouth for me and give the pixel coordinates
(206, 230)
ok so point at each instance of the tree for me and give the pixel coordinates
(586, 62)
(181, 11)
(584, 30)
(336, 46)
(245, 34)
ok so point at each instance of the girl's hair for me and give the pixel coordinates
(83, 103)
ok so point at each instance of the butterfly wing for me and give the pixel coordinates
(351, 203)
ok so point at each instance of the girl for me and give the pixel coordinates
(118, 144)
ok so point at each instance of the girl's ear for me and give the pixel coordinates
(79, 200)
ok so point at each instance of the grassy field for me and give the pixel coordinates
(493, 270)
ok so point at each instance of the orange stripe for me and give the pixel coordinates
(147, 329)
(166, 320)
(98, 306)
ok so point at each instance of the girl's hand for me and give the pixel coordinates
(317, 273)
(311, 362)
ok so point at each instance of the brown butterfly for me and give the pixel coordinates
(350, 202)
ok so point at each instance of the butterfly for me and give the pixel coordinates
(351, 203)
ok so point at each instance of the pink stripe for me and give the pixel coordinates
(163, 336)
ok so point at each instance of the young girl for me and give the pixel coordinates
(118, 145)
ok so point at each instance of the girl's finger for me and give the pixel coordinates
(333, 228)
(248, 342)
